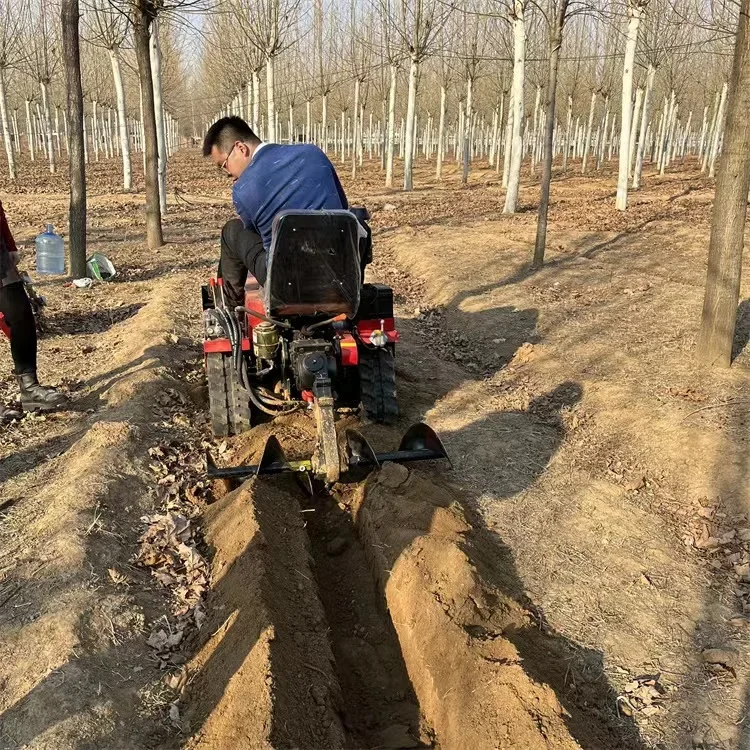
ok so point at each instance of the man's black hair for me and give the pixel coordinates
(224, 133)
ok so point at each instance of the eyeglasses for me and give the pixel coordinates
(223, 166)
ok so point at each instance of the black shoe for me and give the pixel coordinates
(9, 413)
(35, 397)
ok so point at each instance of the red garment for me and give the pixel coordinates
(7, 244)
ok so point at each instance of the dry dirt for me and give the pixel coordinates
(565, 584)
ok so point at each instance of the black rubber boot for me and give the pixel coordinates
(9, 413)
(35, 397)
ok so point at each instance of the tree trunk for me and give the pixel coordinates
(127, 172)
(717, 130)
(161, 138)
(256, 103)
(70, 17)
(48, 126)
(441, 135)
(356, 127)
(270, 100)
(555, 42)
(411, 116)
(57, 130)
(6, 130)
(467, 133)
(324, 124)
(642, 138)
(142, 35)
(587, 142)
(567, 134)
(635, 122)
(391, 131)
(704, 128)
(710, 140)
(729, 213)
(519, 61)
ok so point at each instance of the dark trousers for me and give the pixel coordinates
(16, 308)
(241, 251)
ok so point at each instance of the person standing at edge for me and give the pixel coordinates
(19, 317)
(268, 178)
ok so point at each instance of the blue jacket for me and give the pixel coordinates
(280, 177)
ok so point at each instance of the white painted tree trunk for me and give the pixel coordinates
(499, 144)
(508, 141)
(127, 171)
(324, 124)
(270, 99)
(391, 128)
(411, 118)
(704, 127)
(256, 102)
(634, 125)
(343, 136)
(519, 62)
(710, 138)
(643, 135)
(48, 127)
(441, 134)
(587, 141)
(16, 132)
(356, 127)
(57, 131)
(668, 133)
(635, 13)
(717, 131)
(308, 122)
(249, 95)
(161, 138)
(686, 134)
(6, 130)
(467, 132)
(566, 152)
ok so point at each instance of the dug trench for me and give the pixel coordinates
(376, 616)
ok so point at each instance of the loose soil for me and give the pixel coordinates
(556, 588)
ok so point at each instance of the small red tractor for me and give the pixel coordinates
(314, 337)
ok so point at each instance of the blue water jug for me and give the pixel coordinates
(50, 252)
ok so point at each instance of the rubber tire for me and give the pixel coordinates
(229, 405)
(377, 379)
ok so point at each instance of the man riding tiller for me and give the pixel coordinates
(289, 323)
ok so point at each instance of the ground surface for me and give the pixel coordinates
(563, 584)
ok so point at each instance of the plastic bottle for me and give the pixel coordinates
(50, 252)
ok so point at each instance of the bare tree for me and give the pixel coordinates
(557, 12)
(70, 19)
(266, 24)
(108, 28)
(44, 62)
(12, 21)
(729, 212)
(636, 9)
(419, 25)
(519, 61)
(143, 14)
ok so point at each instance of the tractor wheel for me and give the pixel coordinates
(377, 378)
(229, 404)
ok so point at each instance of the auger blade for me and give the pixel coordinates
(360, 457)
(273, 461)
(419, 443)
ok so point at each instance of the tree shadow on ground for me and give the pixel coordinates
(93, 321)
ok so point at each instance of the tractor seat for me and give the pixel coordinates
(314, 264)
